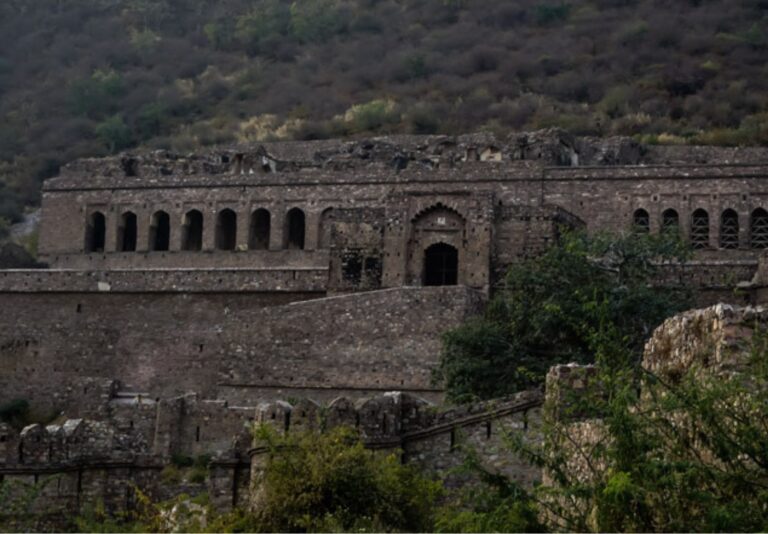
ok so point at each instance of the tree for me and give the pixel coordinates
(96, 95)
(316, 20)
(548, 309)
(330, 482)
(114, 133)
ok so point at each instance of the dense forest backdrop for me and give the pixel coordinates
(90, 77)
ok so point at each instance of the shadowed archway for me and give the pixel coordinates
(441, 265)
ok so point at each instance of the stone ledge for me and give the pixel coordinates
(163, 280)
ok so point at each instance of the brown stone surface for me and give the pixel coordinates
(236, 346)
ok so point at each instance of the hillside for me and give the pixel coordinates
(90, 77)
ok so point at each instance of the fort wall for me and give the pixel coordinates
(239, 346)
(79, 462)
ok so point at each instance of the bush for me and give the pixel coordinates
(330, 482)
(551, 13)
(96, 95)
(182, 460)
(316, 20)
(371, 116)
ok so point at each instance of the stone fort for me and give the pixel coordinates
(185, 295)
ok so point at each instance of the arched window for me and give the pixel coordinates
(641, 221)
(729, 229)
(126, 232)
(670, 221)
(95, 232)
(700, 229)
(758, 229)
(192, 231)
(226, 230)
(160, 231)
(261, 226)
(295, 224)
(441, 265)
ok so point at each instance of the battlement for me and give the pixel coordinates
(143, 443)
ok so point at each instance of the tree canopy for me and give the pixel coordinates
(550, 308)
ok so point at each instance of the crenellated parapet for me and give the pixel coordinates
(71, 443)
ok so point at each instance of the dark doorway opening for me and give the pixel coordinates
(160, 231)
(126, 233)
(260, 230)
(441, 265)
(226, 230)
(296, 229)
(95, 233)
(192, 231)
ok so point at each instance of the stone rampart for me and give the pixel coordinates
(146, 444)
(234, 346)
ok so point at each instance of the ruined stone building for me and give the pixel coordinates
(327, 267)
(185, 295)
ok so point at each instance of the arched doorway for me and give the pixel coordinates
(441, 265)
(295, 229)
(160, 231)
(127, 232)
(95, 232)
(226, 230)
(192, 231)
(261, 223)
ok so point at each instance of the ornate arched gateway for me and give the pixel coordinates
(438, 237)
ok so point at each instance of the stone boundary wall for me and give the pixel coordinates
(237, 346)
(175, 280)
(80, 462)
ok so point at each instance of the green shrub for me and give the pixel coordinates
(182, 460)
(114, 133)
(331, 482)
(551, 13)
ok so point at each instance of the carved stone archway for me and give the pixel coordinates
(436, 225)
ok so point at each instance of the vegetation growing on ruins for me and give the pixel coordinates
(107, 75)
(551, 307)
(332, 483)
(683, 452)
(311, 483)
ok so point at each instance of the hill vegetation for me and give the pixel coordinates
(89, 77)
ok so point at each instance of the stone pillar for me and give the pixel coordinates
(209, 228)
(143, 222)
(167, 427)
(111, 222)
(277, 228)
(311, 228)
(745, 217)
(714, 228)
(177, 222)
(243, 228)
